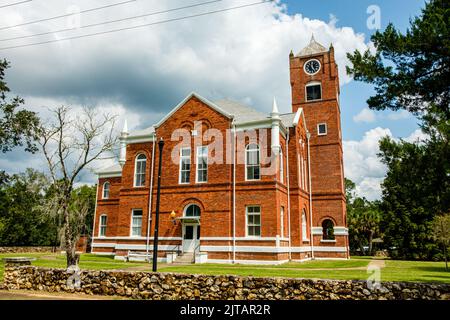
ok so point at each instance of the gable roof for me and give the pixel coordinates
(241, 113)
(199, 97)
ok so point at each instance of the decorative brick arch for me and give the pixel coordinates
(190, 201)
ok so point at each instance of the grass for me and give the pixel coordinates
(87, 262)
(353, 269)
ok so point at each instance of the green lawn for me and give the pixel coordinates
(353, 269)
(87, 261)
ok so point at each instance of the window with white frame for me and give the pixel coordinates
(136, 223)
(253, 221)
(281, 167)
(252, 162)
(185, 165)
(313, 91)
(102, 225)
(202, 164)
(304, 235)
(106, 187)
(282, 222)
(139, 171)
(322, 129)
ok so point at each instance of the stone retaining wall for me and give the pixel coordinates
(25, 249)
(144, 285)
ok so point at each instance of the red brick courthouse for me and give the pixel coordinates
(237, 185)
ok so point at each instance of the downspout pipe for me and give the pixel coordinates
(308, 137)
(150, 195)
(95, 216)
(234, 192)
(288, 194)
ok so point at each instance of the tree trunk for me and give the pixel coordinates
(69, 245)
(370, 243)
(445, 257)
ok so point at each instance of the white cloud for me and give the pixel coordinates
(362, 165)
(366, 115)
(417, 136)
(399, 115)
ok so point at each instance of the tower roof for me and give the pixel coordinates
(312, 48)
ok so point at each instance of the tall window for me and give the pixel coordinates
(185, 165)
(328, 230)
(281, 167)
(139, 171)
(254, 221)
(106, 186)
(304, 235)
(282, 221)
(202, 164)
(252, 162)
(102, 225)
(192, 210)
(136, 223)
(313, 92)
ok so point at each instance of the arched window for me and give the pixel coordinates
(102, 225)
(106, 186)
(281, 167)
(328, 229)
(304, 229)
(192, 210)
(139, 170)
(252, 162)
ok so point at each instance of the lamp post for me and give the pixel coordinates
(158, 194)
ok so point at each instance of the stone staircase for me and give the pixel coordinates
(185, 258)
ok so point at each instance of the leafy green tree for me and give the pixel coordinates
(441, 233)
(22, 220)
(363, 220)
(17, 127)
(411, 71)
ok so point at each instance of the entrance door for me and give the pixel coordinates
(191, 237)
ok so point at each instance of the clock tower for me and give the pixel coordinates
(315, 89)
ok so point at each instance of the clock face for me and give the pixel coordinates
(312, 66)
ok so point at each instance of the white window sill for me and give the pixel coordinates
(305, 240)
(329, 241)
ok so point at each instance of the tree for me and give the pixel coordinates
(22, 218)
(71, 143)
(411, 71)
(363, 219)
(441, 233)
(17, 127)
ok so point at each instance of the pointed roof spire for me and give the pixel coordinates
(312, 48)
(275, 106)
(125, 126)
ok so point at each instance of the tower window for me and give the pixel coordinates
(322, 129)
(327, 230)
(313, 92)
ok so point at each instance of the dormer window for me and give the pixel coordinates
(313, 91)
